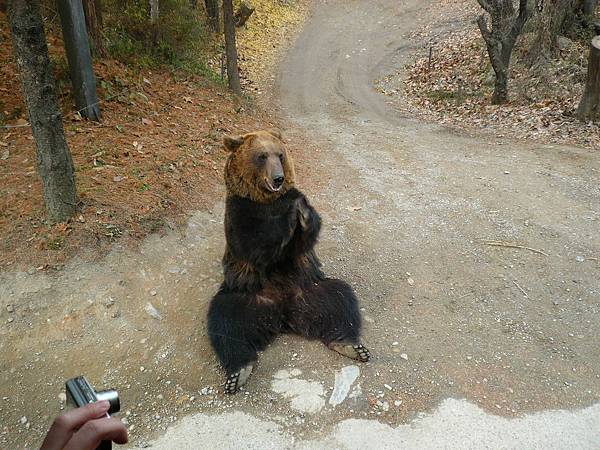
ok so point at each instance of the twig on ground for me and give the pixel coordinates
(521, 289)
(513, 245)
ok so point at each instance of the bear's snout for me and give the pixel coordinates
(278, 181)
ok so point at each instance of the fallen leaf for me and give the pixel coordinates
(22, 122)
(5, 155)
(147, 121)
(187, 99)
(119, 178)
(3, 144)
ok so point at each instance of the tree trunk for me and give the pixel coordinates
(500, 94)
(243, 13)
(589, 107)
(550, 24)
(77, 48)
(233, 74)
(153, 4)
(501, 38)
(93, 22)
(54, 158)
(589, 7)
(212, 10)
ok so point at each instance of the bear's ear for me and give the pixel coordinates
(275, 132)
(232, 143)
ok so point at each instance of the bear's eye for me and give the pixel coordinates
(281, 157)
(263, 157)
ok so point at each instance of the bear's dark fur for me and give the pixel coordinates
(273, 282)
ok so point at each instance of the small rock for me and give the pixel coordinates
(10, 308)
(153, 292)
(10, 319)
(411, 281)
(23, 420)
(386, 406)
(388, 387)
(395, 343)
(579, 258)
(404, 356)
(174, 270)
(506, 172)
(116, 314)
(5, 155)
(397, 402)
(109, 302)
(31, 270)
(152, 311)
(62, 397)
(142, 368)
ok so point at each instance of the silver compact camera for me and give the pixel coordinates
(80, 392)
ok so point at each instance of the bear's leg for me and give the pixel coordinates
(328, 311)
(238, 328)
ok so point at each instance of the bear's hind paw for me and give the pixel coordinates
(354, 351)
(237, 380)
(363, 352)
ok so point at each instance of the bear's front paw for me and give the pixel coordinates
(237, 380)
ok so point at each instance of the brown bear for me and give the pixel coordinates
(272, 278)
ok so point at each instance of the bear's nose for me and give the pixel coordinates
(278, 181)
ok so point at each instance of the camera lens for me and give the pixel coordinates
(113, 398)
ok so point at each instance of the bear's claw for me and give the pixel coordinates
(363, 352)
(237, 380)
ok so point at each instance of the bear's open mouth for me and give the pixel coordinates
(271, 188)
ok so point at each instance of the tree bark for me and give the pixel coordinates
(589, 106)
(212, 10)
(77, 48)
(233, 74)
(55, 164)
(93, 22)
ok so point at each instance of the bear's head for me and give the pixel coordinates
(259, 167)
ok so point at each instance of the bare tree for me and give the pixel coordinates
(153, 12)
(93, 23)
(212, 10)
(233, 74)
(589, 107)
(500, 39)
(55, 164)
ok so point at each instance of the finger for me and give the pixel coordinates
(65, 425)
(93, 432)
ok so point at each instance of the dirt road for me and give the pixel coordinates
(475, 259)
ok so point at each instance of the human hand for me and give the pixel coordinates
(84, 428)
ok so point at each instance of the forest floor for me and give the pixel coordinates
(475, 258)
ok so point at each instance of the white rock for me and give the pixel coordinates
(152, 311)
(343, 381)
(404, 356)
